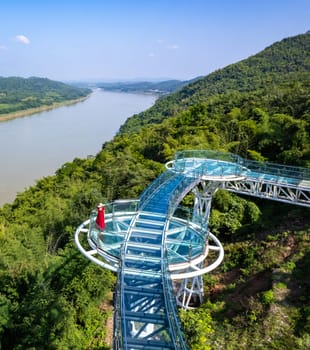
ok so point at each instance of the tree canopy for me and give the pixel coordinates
(19, 94)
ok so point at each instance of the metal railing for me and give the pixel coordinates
(125, 205)
(199, 167)
(171, 307)
(183, 188)
(209, 154)
(118, 343)
(154, 187)
(286, 171)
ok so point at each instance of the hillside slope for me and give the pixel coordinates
(17, 94)
(274, 67)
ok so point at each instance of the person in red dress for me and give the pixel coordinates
(100, 217)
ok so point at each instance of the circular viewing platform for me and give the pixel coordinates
(186, 244)
(208, 165)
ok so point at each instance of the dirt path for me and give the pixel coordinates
(107, 306)
(109, 331)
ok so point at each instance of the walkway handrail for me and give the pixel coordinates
(118, 343)
(289, 171)
(201, 167)
(171, 306)
(209, 154)
(153, 187)
(179, 192)
(282, 170)
(120, 205)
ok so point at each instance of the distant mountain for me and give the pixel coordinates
(17, 94)
(161, 88)
(277, 65)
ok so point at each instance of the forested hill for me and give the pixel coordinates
(270, 72)
(18, 94)
(52, 297)
(158, 88)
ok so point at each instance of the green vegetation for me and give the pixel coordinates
(51, 297)
(19, 94)
(256, 302)
(264, 77)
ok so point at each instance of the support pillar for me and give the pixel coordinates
(190, 292)
(203, 192)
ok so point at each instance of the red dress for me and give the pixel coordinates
(100, 218)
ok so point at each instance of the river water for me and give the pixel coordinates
(36, 146)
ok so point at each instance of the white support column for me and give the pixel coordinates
(202, 202)
(190, 293)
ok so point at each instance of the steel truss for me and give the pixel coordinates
(190, 292)
(292, 194)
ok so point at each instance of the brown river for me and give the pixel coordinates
(35, 146)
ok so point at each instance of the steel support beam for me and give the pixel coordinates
(286, 193)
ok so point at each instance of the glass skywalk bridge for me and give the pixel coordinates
(151, 242)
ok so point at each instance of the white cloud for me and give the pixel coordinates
(22, 39)
(151, 54)
(2, 47)
(173, 47)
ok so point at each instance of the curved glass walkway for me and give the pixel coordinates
(151, 242)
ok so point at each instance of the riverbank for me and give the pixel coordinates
(30, 111)
(36, 146)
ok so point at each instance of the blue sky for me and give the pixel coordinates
(119, 39)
